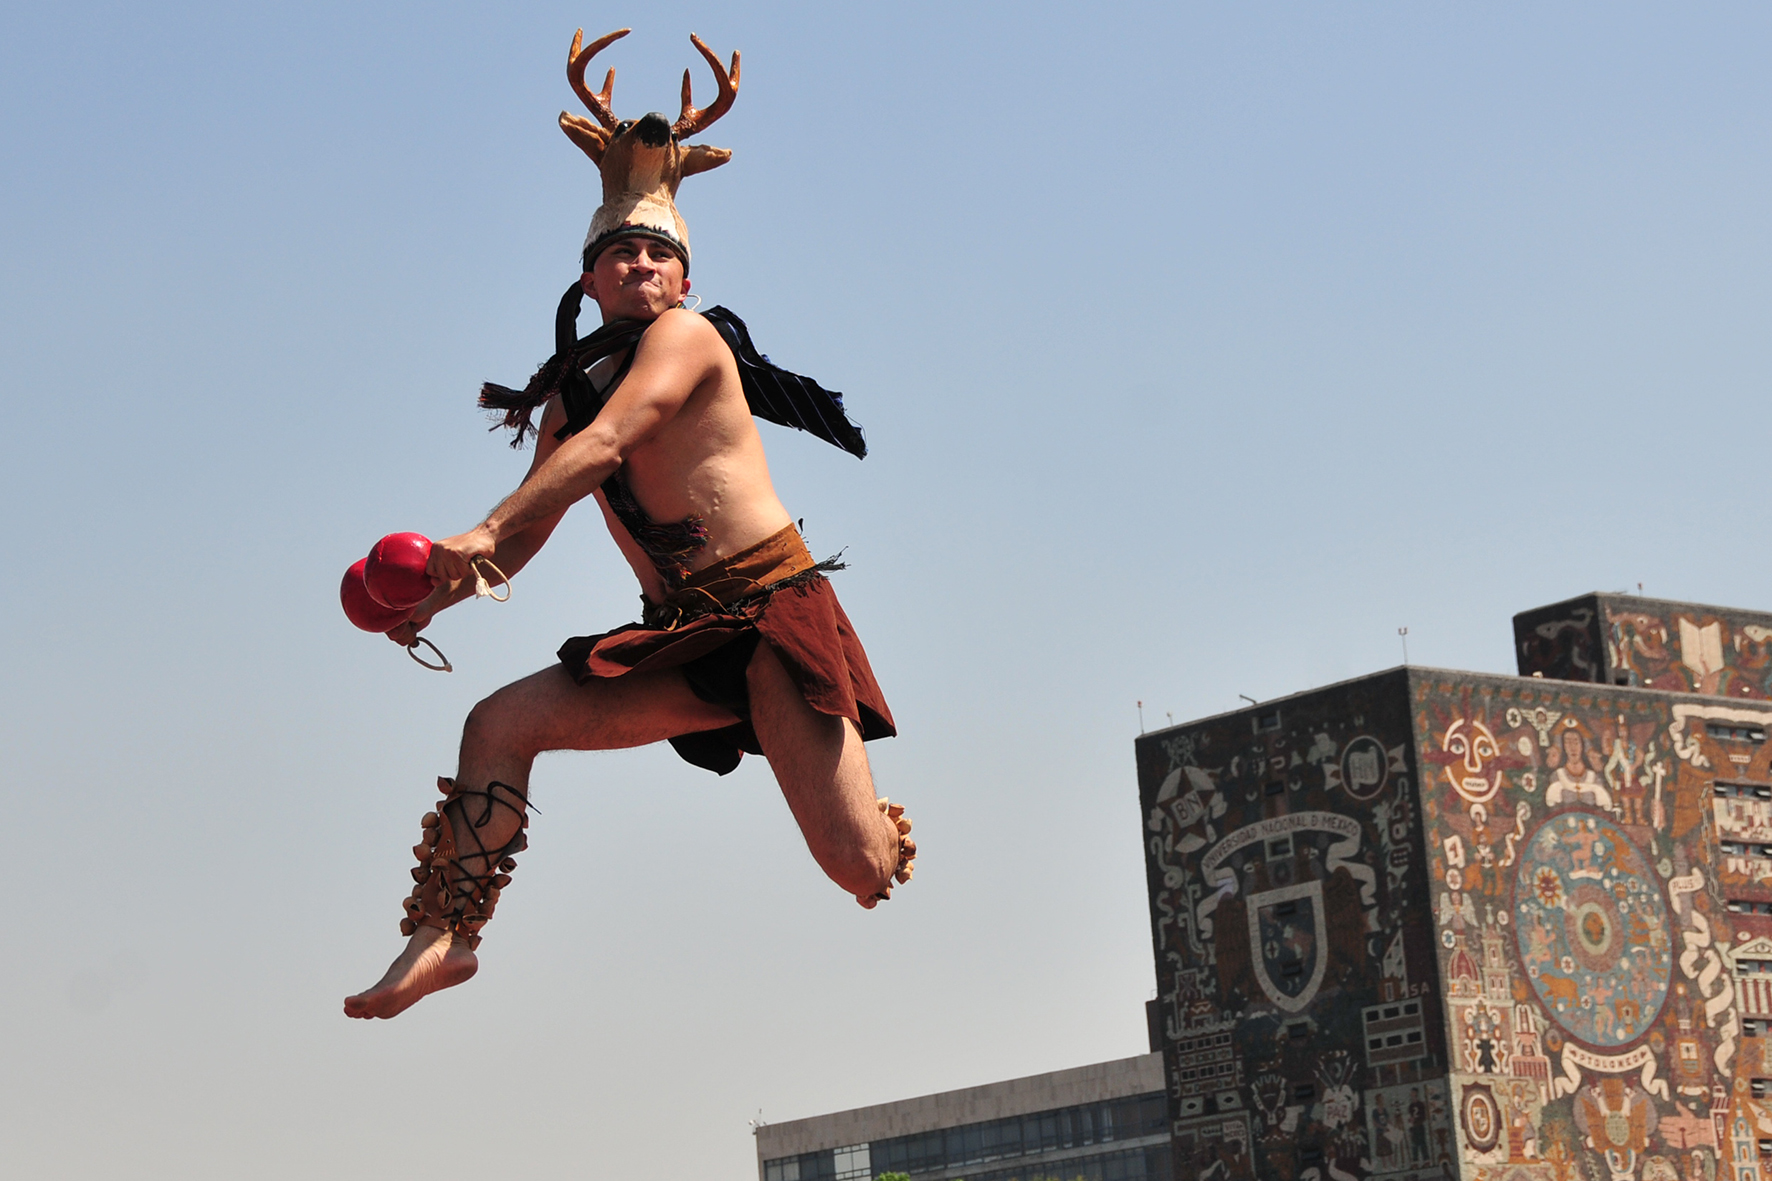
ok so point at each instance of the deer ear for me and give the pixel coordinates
(590, 138)
(700, 158)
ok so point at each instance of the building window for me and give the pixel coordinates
(1304, 1093)
(1271, 721)
(1134, 1164)
(951, 1150)
(1753, 1027)
(852, 1163)
(1734, 731)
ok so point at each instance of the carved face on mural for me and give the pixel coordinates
(1473, 747)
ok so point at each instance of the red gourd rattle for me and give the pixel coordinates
(381, 591)
(394, 572)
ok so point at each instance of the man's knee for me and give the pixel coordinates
(497, 723)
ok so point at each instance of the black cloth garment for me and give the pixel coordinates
(784, 398)
(773, 394)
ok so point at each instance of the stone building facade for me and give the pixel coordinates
(1430, 923)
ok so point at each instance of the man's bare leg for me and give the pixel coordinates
(503, 734)
(822, 767)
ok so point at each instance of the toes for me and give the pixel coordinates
(359, 1006)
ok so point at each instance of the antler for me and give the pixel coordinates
(575, 73)
(692, 120)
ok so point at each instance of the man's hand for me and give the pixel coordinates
(452, 559)
(406, 635)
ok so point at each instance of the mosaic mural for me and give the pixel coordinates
(1591, 929)
(1439, 924)
(1649, 644)
(1583, 928)
(1287, 879)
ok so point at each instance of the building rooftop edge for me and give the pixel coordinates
(964, 1105)
(1273, 701)
(1435, 670)
(1710, 608)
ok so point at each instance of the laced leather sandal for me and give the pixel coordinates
(448, 896)
(907, 852)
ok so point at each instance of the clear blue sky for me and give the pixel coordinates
(1200, 347)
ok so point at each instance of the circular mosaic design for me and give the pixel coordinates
(1592, 928)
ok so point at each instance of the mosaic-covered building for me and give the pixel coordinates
(1433, 924)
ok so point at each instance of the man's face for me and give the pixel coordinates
(636, 279)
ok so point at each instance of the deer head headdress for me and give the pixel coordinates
(642, 160)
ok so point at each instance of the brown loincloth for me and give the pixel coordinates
(709, 628)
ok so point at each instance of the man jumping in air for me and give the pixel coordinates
(742, 645)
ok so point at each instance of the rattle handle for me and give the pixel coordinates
(443, 667)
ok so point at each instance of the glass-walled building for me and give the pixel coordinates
(1106, 1122)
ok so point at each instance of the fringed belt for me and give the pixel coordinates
(732, 584)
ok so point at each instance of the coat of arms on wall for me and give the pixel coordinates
(1290, 942)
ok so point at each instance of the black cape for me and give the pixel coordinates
(774, 394)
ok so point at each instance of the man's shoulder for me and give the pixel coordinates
(678, 328)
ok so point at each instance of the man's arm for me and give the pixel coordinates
(677, 354)
(511, 554)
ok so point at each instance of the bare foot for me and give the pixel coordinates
(898, 826)
(433, 960)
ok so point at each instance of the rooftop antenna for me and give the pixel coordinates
(759, 1122)
(1404, 633)
(1249, 699)
(1170, 716)
(1141, 717)
(1639, 588)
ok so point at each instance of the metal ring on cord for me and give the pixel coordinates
(412, 651)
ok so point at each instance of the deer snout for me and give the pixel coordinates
(654, 130)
